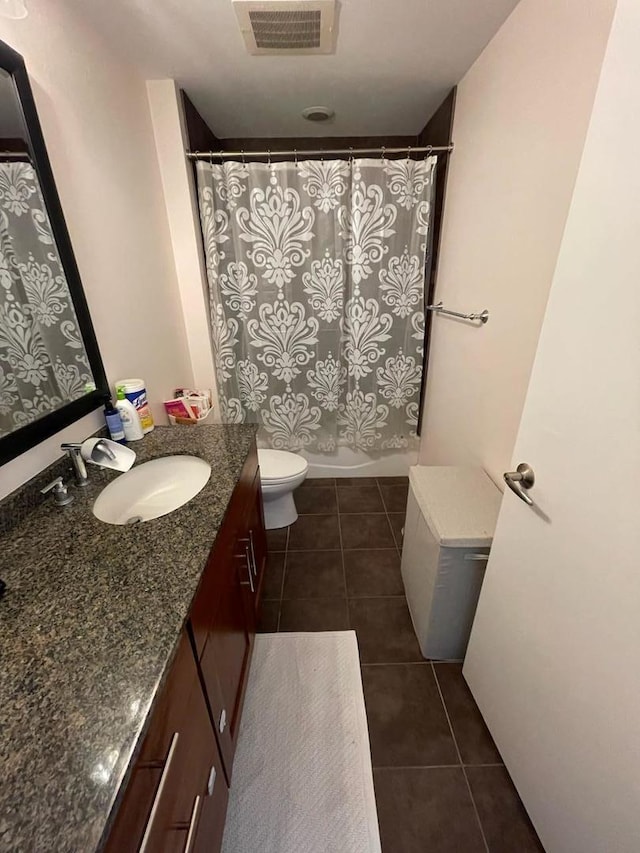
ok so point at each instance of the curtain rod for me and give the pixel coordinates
(409, 149)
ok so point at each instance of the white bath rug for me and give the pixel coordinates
(302, 779)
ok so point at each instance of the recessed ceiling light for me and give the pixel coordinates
(14, 9)
(318, 113)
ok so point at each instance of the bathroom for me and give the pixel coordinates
(253, 667)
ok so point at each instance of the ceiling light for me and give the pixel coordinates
(318, 114)
(14, 9)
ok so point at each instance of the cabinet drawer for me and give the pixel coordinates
(193, 768)
(133, 816)
(171, 706)
(178, 764)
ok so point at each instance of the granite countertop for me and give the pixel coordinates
(89, 625)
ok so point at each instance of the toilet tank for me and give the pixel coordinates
(449, 527)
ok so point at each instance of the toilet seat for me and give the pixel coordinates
(280, 466)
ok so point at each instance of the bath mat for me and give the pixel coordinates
(302, 779)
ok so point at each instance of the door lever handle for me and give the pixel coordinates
(519, 480)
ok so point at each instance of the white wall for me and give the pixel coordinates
(519, 128)
(180, 198)
(97, 126)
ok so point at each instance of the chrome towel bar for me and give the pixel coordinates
(483, 316)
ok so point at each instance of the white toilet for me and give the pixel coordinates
(280, 473)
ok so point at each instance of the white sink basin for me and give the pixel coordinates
(152, 489)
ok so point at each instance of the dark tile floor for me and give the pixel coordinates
(439, 780)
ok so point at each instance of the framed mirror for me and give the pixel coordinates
(51, 372)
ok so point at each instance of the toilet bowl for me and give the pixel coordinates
(280, 473)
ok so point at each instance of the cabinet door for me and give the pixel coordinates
(226, 656)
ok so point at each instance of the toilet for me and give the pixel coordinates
(280, 473)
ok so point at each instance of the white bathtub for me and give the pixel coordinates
(356, 463)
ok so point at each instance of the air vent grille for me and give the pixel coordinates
(286, 26)
(286, 30)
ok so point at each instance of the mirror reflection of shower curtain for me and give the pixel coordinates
(316, 275)
(43, 362)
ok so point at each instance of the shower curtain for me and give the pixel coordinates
(316, 276)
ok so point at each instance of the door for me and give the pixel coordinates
(554, 656)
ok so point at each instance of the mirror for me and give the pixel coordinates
(51, 372)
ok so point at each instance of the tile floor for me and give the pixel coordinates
(439, 779)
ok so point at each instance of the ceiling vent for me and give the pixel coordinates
(286, 26)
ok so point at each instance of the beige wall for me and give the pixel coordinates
(180, 198)
(519, 128)
(97, 126)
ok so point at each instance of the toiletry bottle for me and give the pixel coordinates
(129, 415)
(114, 422)
(135, 391)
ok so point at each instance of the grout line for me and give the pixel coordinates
(316, 598)
(428, 766)
(378, 512)
(284, 574)
(344, 571)
(386, 512)
(414, 766)
(338, 597)
(462, 766)
(307, 550)
(392, 663)
(399, 663)
(301, 550)
(376, 597)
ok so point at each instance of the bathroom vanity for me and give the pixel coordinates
(126, 651)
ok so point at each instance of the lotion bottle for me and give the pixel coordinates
(114, 422)
(129, 416)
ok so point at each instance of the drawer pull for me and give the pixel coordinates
(253, 554)
(193, 825)
(251, 557)
(223, 721)
(211, 781)
(248, 583)
(158, 796)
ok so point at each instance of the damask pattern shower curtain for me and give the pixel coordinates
(316, 277)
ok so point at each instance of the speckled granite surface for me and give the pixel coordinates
(88, 627)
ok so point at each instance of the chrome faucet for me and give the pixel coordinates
(102, 448)
(79, 467)
(74, 449)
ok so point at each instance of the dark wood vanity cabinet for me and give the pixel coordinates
(224, 614)
(177, 796)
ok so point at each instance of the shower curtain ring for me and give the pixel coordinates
(295, 156)
(242, 155)
(383, 151)
(351, 155)
(269, 157)
(408, 152)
